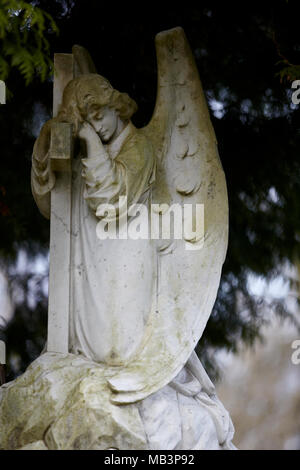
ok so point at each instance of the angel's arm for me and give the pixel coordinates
(104, 178)
(42, 177)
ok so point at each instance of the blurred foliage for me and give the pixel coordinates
(24, 45)
(256, 125)
(24, 334)
(289, 71)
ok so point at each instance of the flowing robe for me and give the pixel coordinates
(114, 288)
(112, 280)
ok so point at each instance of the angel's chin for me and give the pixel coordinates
(104, 137)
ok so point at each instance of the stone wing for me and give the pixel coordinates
(189, 171)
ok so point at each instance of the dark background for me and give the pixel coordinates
(247, 56)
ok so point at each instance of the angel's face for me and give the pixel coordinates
(105, 122)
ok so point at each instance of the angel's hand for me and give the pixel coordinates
(94, 145)
(88, 133)
(43, 143)
(40, 158)
(43, 177)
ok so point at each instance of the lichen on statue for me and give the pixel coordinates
(138, 307)
(108, 316)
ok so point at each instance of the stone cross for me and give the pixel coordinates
(60, 221)
(67, 67)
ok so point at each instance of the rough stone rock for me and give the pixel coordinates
(63, 402)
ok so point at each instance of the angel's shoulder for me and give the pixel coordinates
(138, 142)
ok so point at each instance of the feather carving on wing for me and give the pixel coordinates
(188, 270)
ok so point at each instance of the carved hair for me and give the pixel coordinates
(89, 93)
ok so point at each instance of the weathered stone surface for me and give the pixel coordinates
(37, 445)
(64, 403)
(130, 309)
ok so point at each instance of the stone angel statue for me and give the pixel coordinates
(138, 307)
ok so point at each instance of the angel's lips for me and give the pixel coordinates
(103, 135)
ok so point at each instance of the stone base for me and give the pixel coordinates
(63, 402)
